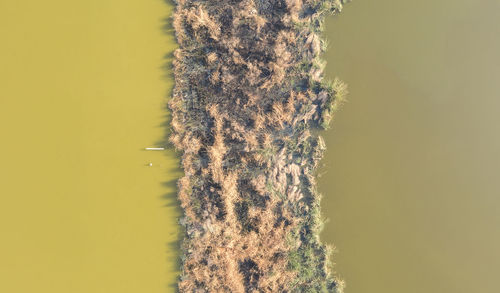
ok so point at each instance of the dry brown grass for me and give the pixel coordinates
(245, 99)
(199, 18)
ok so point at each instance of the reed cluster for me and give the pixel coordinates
(249, 92)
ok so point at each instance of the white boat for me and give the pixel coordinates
(155, 149)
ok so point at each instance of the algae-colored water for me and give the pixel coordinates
(82, 92)
(411, 185)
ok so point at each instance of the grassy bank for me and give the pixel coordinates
(248, 93)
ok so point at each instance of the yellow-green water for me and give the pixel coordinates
(411, 187)
(82, 92)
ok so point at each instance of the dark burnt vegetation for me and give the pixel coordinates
(249, 91)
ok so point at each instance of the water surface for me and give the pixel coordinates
(82, 93)
(410, 181)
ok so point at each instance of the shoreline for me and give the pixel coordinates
(248, 97)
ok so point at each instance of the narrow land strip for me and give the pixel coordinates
(248, 94)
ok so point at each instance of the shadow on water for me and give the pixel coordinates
(174, 172)
(168, 76)
(173, 248)
(170, 198)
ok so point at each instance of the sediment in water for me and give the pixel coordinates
(248, 94)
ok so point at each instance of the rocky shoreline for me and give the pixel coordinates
(249, 93)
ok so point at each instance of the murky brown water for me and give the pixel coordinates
(411, 184)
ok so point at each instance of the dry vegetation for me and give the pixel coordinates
(248, 92)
